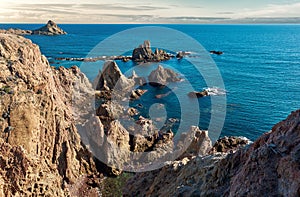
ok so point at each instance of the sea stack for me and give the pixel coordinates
(49, 29)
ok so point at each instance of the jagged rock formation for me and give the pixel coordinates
(162, 76)
(138, 80)
(268, 167)
(49, 29)
(111, 78)
(144, 54)
(41, 150)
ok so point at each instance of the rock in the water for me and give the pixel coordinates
(132, 111)
(198, 94)
(140, 81)
(182, 54)
(136, 94)
(111, 78)
(49, 29)
(16, 31)
(216, 52)
(144, 54)
(162, 76)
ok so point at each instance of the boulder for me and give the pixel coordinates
(162, 76)
(182, 54)
(198, 94)
(216, 52)
(231, 144)
(132, 111)
(136, 94)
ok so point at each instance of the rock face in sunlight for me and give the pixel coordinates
(269, 166)
(50, 29)
(144, 53)
(162, 76)
(41, 151)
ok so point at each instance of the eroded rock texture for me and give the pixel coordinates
(268, 167)
(41, 151)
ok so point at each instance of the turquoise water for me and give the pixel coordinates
(260, 68)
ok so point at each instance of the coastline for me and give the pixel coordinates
(66, 154)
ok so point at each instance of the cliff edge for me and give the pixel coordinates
(268, 167)
(40, 149)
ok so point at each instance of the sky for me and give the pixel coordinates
(146, 11)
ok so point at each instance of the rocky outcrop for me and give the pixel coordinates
(41, 150)
(231, 144)
(111, 78)
(216, 52)
(49, 29)
(140, 81)
(136, 94)
(182, 54)
(16, 31)
(144, 54)
(268, 167)
(162, 76)
(198, 94)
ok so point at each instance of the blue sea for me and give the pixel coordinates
(260, 68)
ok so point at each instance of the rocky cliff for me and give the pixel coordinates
(40, 149)
(268, 167)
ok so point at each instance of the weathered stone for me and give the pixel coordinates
(111, 78)
(43, 153)
(144, 54)
(162, 76)
(198, 94)
(270, 166)
(49, 29)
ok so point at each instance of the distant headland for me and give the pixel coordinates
(50, 29)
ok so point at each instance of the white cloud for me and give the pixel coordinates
(271, 10)
(140, 11)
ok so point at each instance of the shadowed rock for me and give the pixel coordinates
(268, 167)
(144, 54)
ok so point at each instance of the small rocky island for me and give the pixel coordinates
(144, 53)
(50, 29)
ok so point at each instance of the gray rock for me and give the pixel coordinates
(162, 76)
(111, 78)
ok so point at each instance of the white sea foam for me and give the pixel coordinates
(215, 91)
